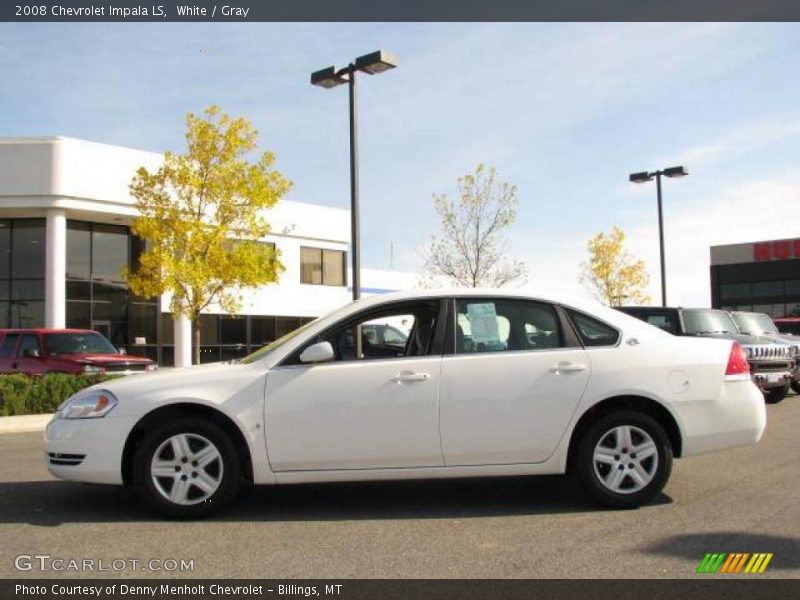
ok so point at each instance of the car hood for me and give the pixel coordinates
(106, 358)
(743, 338)
(208, 384)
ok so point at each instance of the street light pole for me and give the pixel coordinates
(354, 203)
(372, 64)
(661, 241)
(642, 177)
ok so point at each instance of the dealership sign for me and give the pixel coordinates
(780, 250)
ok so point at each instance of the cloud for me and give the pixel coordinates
(755, 211)
(747, 138)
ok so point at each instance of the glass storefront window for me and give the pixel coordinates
(27, 249)
(143, 324)
(768, 289)
(262, 331)
(22, 273)
(734, 291)
(109, 252)
(26, 314)
(5, 249)
(79, 251)
(233, 329)
(167, 329)
(27, 289)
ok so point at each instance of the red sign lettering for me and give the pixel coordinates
(782, 250)
(762, 251)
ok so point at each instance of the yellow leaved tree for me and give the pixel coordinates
(611, 273)
(202, 216)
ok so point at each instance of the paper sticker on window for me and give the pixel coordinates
(483, 323)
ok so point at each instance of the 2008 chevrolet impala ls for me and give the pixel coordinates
(419, 385)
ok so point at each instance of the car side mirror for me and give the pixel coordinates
(319, 352)
(30, 353)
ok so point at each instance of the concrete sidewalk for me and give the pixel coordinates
(24, 423)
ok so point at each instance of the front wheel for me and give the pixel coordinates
(775, 395)
(624, 459)
(187, 468)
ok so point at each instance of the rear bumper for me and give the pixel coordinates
(87, 450)
(737, 417)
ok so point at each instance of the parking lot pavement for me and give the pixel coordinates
(740, 500)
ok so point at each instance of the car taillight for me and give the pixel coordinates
(737, 361)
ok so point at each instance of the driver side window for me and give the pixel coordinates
(406, 330)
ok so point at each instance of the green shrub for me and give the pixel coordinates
(39, 394)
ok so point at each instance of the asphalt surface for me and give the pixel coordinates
(740, 500)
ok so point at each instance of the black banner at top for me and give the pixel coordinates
(397, 10)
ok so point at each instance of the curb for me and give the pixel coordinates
(24, 423)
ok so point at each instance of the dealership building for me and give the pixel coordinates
(65, 216)
(757, 276)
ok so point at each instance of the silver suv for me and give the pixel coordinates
(759, 324)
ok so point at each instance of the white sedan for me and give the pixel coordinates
(485, 383)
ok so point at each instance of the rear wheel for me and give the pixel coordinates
(187, 468)
(624, 459)
(775, 395)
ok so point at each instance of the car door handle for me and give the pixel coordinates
(567, 367)
(406, 376)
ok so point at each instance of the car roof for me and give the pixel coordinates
(45, 330)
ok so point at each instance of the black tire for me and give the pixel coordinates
(796, 387)
(590, 475)
(775, 395)
(228, 468)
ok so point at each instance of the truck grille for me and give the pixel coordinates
(118, 367)
(769, 352)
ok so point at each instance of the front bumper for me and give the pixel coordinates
(769, 376)
(736, 417)
(87, 450)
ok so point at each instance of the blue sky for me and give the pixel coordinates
(564, 111)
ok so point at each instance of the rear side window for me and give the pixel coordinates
(29, 342)
(498, 325)
(667, 322)
(7, 347)
(593, 332)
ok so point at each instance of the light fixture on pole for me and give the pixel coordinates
(643, 177)
(372, 64)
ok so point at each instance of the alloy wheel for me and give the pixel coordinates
(186, 469)
(625, 459)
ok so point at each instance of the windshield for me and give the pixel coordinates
(755, 323)
(706, 322)
(77, 343)
(264, 350)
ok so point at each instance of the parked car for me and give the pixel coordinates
(788, 325)
(759, 324)
(603, 396)
(771, 362)
(39, 351)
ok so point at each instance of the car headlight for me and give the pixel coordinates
(87, 405)
(92, 370)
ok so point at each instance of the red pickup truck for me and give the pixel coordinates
(39, 351)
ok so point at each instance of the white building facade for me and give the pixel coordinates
(65, 216)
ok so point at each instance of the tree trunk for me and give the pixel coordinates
(196, 340)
